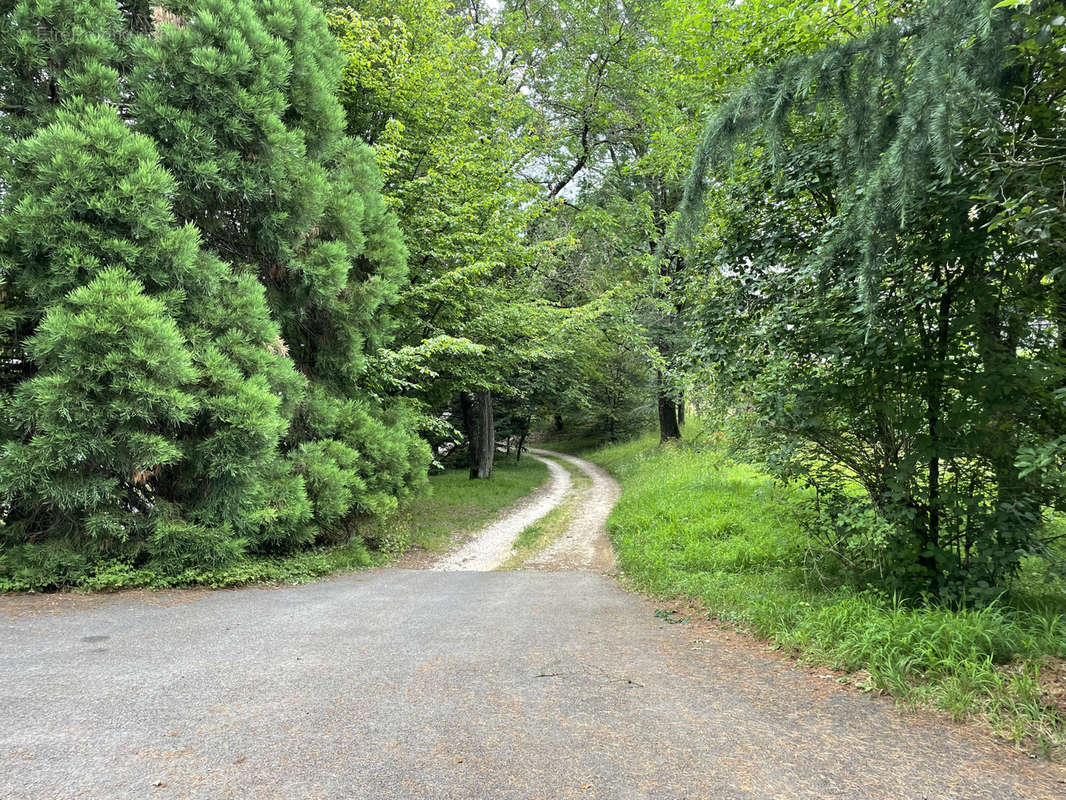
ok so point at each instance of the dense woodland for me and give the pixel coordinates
(263, 264)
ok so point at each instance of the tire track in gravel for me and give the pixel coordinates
(582, 546)
(491, 546)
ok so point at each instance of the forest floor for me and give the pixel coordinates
(542, 682)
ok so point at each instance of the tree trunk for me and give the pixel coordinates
(522, 439)
(486, 433)
(936, 357)
(668, 428)
(681, 410)
(466, 403)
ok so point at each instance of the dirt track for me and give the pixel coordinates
(583, 545)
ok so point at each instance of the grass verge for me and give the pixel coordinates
(452, 504)
(693, 524)
(455, 505)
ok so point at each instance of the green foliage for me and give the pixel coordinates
(866, 306)
(693, 522)
(140, 383)
(186, 555)
(44, 571)
(177, 546)
(196, 265)
(103, 409)
(56, 51)
(215, 343)
(245, 106)
(440, 96)
(621, 90)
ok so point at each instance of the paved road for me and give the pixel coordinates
(425, 684)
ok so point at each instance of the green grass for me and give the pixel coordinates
(452, 504)
(692, 523)
(572, 441)
(455, 504)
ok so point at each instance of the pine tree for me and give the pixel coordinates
(155, 356)
(52, 51)
(198, 148)
(253, 131)
(100, 417)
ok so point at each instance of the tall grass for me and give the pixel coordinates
(693, 523)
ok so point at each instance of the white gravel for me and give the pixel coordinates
(583, 546)
(494, 544)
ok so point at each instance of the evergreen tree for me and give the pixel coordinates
(243, 106)
(164, 373)
(196, 152)
(100, 418)
(53, 51)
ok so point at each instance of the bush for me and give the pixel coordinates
(175, 546)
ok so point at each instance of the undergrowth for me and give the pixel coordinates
(693, 523)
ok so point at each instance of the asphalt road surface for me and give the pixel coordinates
(429, 684)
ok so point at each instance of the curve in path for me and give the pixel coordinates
(493, 544)
(584, 545)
